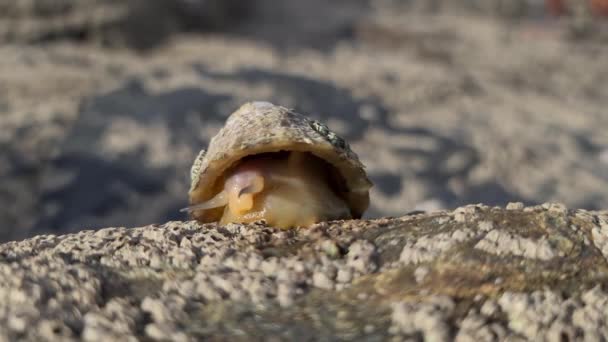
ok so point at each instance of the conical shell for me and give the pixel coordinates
(262, 127)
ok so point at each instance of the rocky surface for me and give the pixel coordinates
(445, 105)
(104, 104)
(110, 23)
(477, 273)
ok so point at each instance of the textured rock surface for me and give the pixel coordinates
(540, 274)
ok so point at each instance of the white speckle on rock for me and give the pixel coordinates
(270, 266)
(285, 294)
(594, 314)
(499, 243)
(420, 273)
(428, 318)
(344, 275)
(428, 248)
(460, 217)
(485, 226)
(161, 310)
(360, 257)
(116, 321)
(475, 328)
(556, 208)
(515, 206)
(443, 219)
(16, 323)
(321, 280)
(362, 296)
(545, 315)
(489, 307)
(165, 332)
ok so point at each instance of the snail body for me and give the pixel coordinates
(270, 163)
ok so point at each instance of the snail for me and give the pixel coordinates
(269, 163)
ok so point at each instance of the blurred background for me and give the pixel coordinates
(105, 103)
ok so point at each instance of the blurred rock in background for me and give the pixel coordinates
(104, 104)
(137, 23)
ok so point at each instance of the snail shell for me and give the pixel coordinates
(271, 163)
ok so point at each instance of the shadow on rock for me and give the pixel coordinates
(433, 174)
(127, 158)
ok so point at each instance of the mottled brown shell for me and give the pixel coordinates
(261, 127)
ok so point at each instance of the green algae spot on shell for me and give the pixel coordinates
(262, 127)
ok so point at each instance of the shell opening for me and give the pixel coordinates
(285, 189)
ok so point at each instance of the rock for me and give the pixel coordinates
(492, 274)
(133, 23)
(146, 24)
